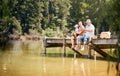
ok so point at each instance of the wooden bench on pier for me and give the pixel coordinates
(96, 44)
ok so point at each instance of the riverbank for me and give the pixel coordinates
(21, 37)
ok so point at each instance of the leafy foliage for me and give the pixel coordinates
(58, 15)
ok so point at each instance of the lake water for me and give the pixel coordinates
(19, 58)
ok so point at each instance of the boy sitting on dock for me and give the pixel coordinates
(79, 28)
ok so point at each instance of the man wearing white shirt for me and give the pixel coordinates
(89, 31)
(88, 34)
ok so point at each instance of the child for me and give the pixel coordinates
(75, 33)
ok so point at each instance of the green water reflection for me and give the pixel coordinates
(26, 59)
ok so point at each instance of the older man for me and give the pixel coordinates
(88, 33)
(89, 29)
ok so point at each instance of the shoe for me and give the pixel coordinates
(76, 48)
(85, 43)
(82, 49)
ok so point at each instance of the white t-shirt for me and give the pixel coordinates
(90, 27)
(77, 30)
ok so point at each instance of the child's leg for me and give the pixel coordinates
(72, 42)
(73, 39)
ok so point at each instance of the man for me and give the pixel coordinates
(89, 31)
(88, 34)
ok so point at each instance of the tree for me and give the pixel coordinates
(29, 12)
(6, 7)
(113, 16)
(56, 14)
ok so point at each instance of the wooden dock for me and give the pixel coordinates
(58, 42)
(96, 44)
(99, 45)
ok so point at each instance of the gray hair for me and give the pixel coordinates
(88, 20)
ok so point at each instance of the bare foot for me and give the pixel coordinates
(72, 47)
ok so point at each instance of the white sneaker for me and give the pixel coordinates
(82, 49)
(84, 42)
(76, 48)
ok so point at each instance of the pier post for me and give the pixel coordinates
(64, 46)
(44, 43)
(89, 50)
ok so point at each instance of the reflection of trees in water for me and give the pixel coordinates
(19, 47)
(116, 54)
(30, 47)
(5, 45)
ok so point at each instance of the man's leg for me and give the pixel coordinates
(79, 41)
(85, 41)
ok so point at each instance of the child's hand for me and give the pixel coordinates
(73, 31)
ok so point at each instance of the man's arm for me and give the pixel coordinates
(81, 32)
(90, 30)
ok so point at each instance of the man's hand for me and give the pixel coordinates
(90, 30)
(81, 32)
